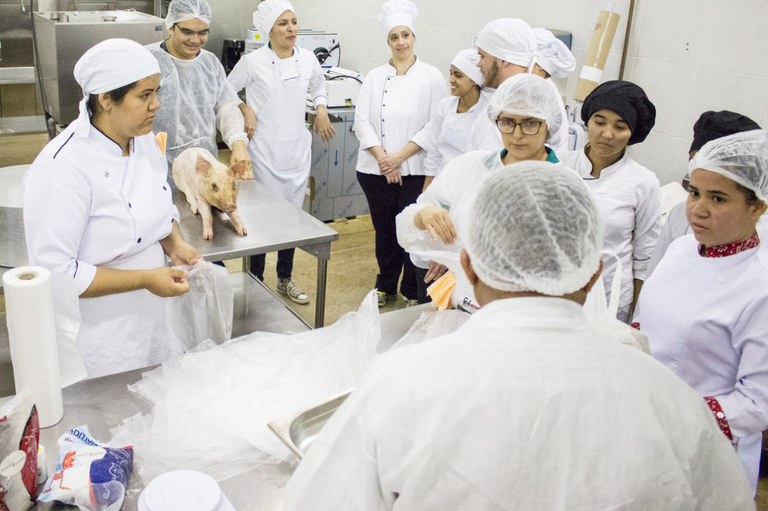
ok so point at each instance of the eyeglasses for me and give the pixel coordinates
(528, 126)
(189, 33)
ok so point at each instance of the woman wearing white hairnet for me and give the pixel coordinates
(196, 97)
(449, 127)
(705, 307)
(527, 112)
(97, 207)
(276, 79)
(395, 103)
(619, 114)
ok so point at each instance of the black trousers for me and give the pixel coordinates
(284, 264)
(385, 201)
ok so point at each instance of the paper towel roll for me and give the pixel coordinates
(32, 336)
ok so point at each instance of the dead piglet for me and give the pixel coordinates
(206, 182)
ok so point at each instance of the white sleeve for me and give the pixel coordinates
(437, 91)
(229, 119)
(317, 89)
(56, 213)
(432, 137)
(667, 234)
(363, 126)
(647, 223)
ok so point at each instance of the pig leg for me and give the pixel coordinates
(205, 214)
(237, 222)
(192, 203)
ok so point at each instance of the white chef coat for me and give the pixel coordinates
(86, 205)
(629, 198)
(392, 110)
(484, 135)
(276, 89)
(523, 407)
(448, 132)
(707, 320)
(195, 99)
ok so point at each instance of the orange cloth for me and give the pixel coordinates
(162, 140)
(441, 290)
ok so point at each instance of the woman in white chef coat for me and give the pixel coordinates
(527, 112)
(395, 103)
(449, 127)
(276, 78)
(705, 307)
(97, 207)
(619, 114)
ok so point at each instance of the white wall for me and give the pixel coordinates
(688, 55)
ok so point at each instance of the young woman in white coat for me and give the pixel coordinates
(98, 208)
(619, 114)
(705, 307)
(526, 111)
(449, 127)
(395, 103)
(276, 79)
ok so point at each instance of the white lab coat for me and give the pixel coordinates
(484, 135)
(707, 320)
(448, 132)
(392, 110)
(276, 89)
(629, 198)
(195, 99)
(85, 205)
(523, 407)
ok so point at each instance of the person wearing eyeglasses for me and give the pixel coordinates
(194, 92)
(527, 113)
(619, 114)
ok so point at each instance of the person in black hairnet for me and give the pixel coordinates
(710, 126)
(619, 114)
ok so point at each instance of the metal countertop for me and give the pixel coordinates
(103, 403)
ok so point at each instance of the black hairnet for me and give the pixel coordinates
(712, 125)
(628, 101)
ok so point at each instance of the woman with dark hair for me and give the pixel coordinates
(619, 114)
(704, 309)
(98, 208)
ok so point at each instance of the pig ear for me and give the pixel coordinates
(202, 166)
(239, 168)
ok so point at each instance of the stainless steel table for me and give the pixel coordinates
(103, 404)
(273, 224)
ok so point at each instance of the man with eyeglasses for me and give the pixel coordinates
(195, 96)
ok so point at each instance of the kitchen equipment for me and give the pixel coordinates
(231, 52)
(61, 38)
(298, 431)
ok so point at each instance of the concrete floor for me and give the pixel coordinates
(351, 269)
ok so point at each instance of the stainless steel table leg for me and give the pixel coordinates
(322, 274)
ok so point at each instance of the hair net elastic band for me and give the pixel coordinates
(109, 65)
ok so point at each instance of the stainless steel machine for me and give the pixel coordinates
(61, 38)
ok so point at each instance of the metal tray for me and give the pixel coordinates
(297, 431)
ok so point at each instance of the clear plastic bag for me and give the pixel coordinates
(205, 311)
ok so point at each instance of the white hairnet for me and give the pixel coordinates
(552, 54)
(266, 14)
(398, 13)
(742, 157)
(531, 96)
(509, 39)
(535, 227)
(183, 10)
(466, 62)
(109, 65)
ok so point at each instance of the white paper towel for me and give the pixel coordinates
(32, 335)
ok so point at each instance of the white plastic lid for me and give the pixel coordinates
(183, 489)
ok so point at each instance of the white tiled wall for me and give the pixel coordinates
(689, 55)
